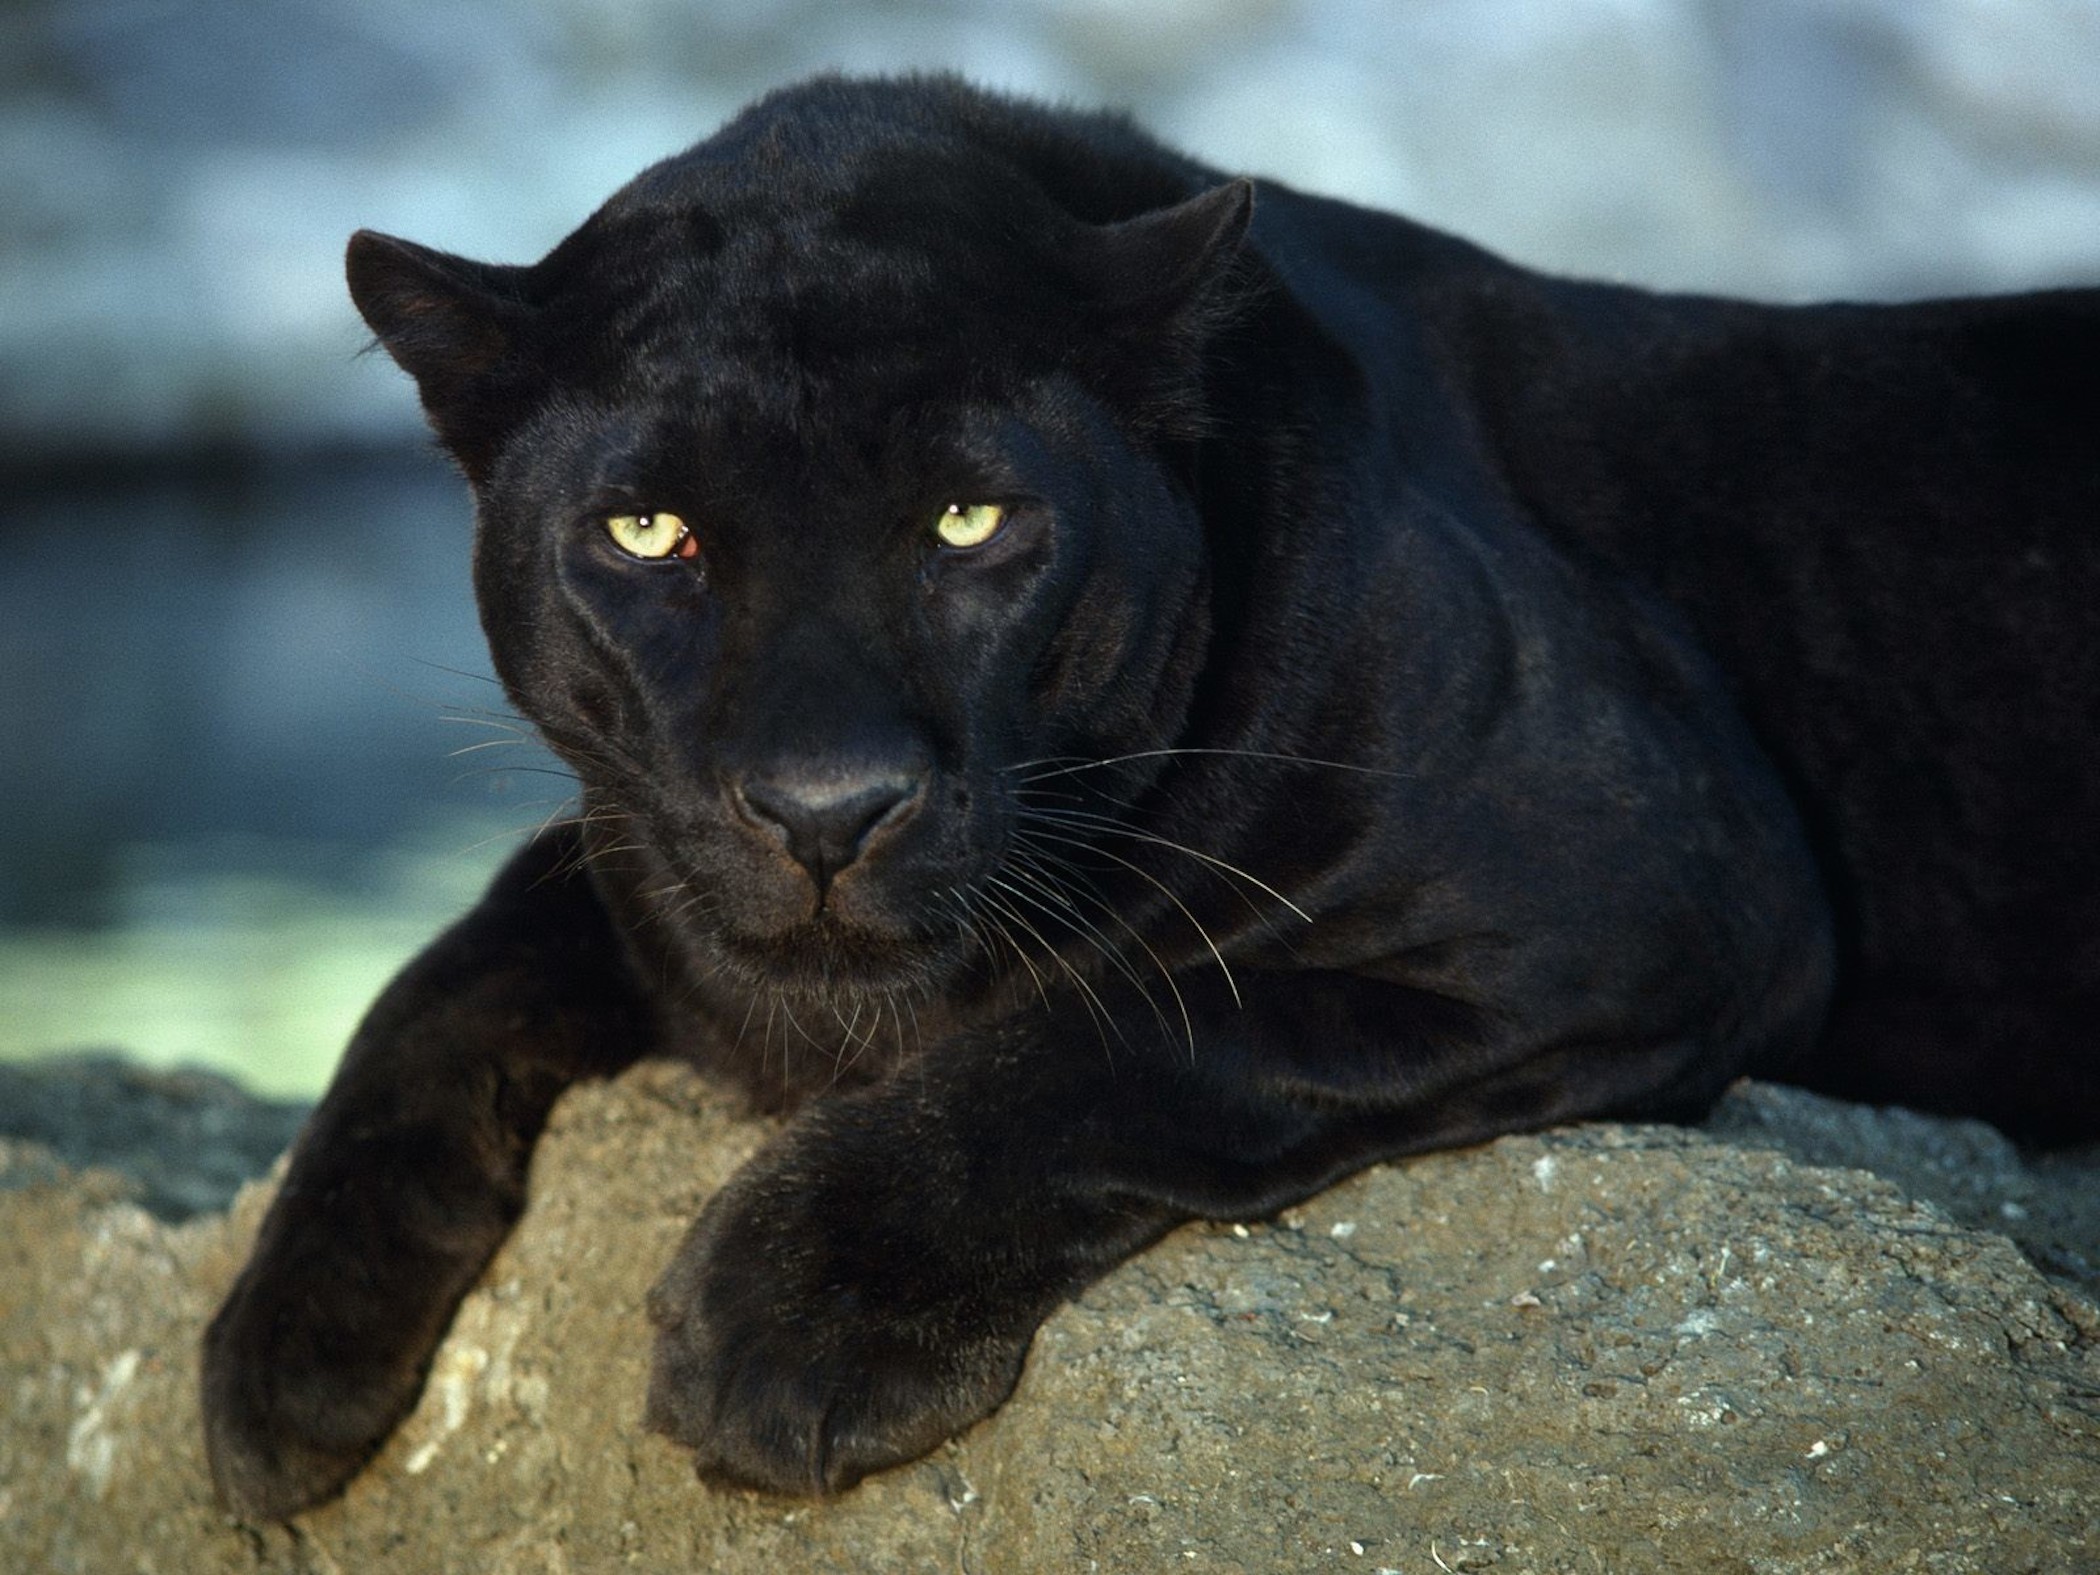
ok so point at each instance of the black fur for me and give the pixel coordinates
(1411, 698)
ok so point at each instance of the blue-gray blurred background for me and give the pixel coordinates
(236, 644)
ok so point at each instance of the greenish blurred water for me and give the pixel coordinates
(258, 975)
(251, 756)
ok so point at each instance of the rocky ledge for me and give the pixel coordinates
(1606, 1347)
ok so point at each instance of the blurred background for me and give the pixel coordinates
(238, 658)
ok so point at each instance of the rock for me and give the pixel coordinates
(1629, 1348)
(188, 1137)
(2047, 1202)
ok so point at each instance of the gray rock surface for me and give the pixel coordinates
(1622, 1348)
(2047, 1202)
(189, 1138)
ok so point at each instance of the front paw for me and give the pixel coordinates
(803, 1344)
(321, 1346)
(292, 1406)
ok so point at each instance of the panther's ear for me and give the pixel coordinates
(1167, 261)
(1163, 284)
(455, 326)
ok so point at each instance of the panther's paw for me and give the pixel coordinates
(289, 1415)
(796, 1354)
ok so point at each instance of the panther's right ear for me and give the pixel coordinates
(456, 326)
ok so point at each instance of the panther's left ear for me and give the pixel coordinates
(1166, 262)
(1162, 285)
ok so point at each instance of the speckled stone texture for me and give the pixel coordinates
(1605, 1348)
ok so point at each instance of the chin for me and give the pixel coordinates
(829, 961)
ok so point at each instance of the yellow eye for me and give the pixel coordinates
(651, 535)
(969, 524)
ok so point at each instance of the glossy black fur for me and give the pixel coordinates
(1412, 698)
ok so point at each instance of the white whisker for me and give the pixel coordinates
(1039, 868)
(1231, 984)
(1110, 825)
(1160, 754)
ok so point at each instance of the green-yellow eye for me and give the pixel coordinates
(969, 524)
(651, 535)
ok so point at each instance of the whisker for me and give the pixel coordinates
(1217, 956)
(897, 1018)
(528, 831)
(1037, 872)
(788, 1012)
(457, 672)
(1096, 1006)
(974, 924)
(487, 743)
(1110, 825)
(1020, 953)
(514, 770)
(492, 719)
(1077, 763)
(841, 1061)
(744, 1027)
(1160, 754)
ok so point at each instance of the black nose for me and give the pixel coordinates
(824, 815)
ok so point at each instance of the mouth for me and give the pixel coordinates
(764, 933)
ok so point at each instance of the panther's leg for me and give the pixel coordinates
(869, 1283)
(407, 1178)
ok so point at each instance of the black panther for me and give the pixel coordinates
(1111, 694)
